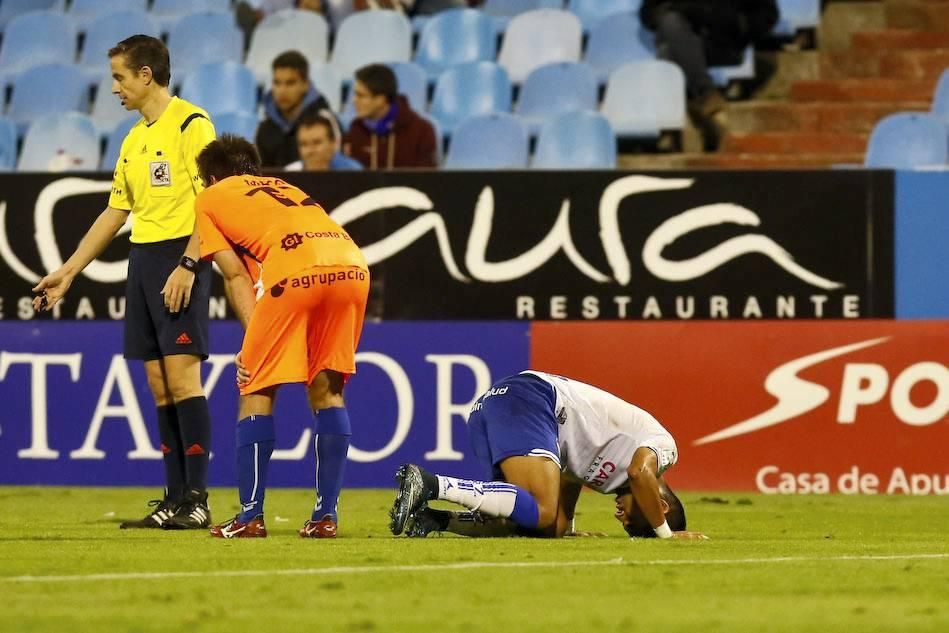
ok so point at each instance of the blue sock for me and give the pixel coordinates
(525, 511)
(331, 441)
(255, 442)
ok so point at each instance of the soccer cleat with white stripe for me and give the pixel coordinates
(234, 528)
(416, 487)
(164, 510)
(192, 514)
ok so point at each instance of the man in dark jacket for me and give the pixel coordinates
(387, 133)
(696, 34)
(291, 97)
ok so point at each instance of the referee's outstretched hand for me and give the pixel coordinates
(177, 290)
(51, 289)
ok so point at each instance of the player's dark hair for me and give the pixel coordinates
(639, 527)
(143, 50)
(312, 119)
(227, 156)
(294, 60)
(379, 80)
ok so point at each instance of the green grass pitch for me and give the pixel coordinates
(818, 563)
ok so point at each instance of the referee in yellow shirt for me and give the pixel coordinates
(166, 310)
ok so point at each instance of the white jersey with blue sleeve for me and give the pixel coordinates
(599, 432)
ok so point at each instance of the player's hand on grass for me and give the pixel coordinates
(689, 536)
(177, 290)
(243, 375)
(51, 289)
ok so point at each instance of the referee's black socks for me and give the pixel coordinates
(172, 452)
(194, 420)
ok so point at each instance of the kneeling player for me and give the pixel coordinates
(543, 437)
(304, 328)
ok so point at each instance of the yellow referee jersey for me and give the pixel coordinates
(156, 176)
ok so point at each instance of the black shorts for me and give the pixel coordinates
(151, 331)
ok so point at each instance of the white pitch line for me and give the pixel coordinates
(334, 571)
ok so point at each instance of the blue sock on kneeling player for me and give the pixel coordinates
(255, 442)
(491, 498)
(331, 430)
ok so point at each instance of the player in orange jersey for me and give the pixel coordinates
(314, 282)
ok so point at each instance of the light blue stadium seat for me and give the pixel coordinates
(9, 9)
(908, 140)
(540, 37)
(795, 15)
(490, 141)
(107, 31)
(453, 37)
(554, 89)
(940, 104)
(107, 110)
(203, 38)
(502, 11)
(644, 98)
(32, 39)
(290, 29)
(168, 12)
(84, 12)
(47, 89)
(7, 144)
(576, 140)
(468, 90)
(721, 75)
(221, 87)
(592, 12)
(371, 37)
(65, 141)
(239, 123)
(327, 81)
(616, 41)
(113, 144)
(413, 83)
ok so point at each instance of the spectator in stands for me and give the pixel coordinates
(249, 13)
(317, 144)
(696, 34)
(291, 97)
(387, 134)
(412, 7)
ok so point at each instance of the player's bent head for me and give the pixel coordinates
(227, 156)
(145, 51)
(637, 526)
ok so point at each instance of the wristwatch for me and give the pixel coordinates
(188, 264)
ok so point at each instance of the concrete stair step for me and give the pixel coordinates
(773, 161)
(923, 15)
(794, 143)
(925, 65)
(865, 90)
(897, 39)
(825, 117)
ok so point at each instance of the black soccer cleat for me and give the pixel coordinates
(427, 521)
(417, 486)
(192, 514)
(164, 510)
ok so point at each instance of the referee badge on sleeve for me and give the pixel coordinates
(160, 171)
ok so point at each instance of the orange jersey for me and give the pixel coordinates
(273, 223)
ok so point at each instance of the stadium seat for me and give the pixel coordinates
(539, 37)
(221, 87)
(940, 105)
(238, 123)
(501, 11)
(203, 38)
(592, 12)
(47, 89)
(371, 37)
(65, 141)
(490, 141)
(290, 29)
(796, 15)
(616, 41)
(326, 80)
(554, 89)
(113, 144)
(644, 98)
(31, 39)
(722, 75)
(10, 9)
(107, 110)
(104, 33)
(168, 12)
(468, 90)
(413, 83)
(908, 140)
(453, 37)
(84, 12)
(576, 140)
(7, 144)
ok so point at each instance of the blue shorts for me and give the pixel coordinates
(151, 331)
(514, 418)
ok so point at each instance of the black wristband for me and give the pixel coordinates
(188, 264)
